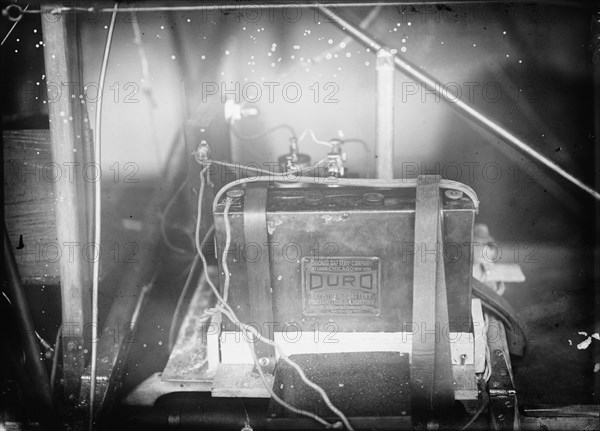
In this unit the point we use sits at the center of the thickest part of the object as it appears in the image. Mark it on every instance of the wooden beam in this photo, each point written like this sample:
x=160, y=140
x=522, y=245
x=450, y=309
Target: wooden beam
x=67, y=112
x=28, y=205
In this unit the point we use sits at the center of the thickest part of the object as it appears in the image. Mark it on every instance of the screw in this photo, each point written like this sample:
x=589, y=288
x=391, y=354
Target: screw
x=501, y=417
x=236, y=193
x=503, y=372
x=263, y=362
x=373, y=198
x=71, y=346
x=508, y=404
x=499, y=353
x=495, y=384
x=453, y=194
x=203, y=152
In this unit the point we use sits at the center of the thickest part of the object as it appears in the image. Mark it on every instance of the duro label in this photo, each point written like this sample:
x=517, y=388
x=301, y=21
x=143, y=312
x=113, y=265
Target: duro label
x=340, y=286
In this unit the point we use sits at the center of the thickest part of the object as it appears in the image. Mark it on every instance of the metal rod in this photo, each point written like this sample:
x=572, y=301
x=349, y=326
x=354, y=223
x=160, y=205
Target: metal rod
x=216, y=5
x=384, y=139
x=596, y=72
x=34, y=367
x=432, y=84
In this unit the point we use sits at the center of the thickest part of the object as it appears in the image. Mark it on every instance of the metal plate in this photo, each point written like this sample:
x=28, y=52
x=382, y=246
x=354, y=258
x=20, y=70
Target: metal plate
x=340, y=286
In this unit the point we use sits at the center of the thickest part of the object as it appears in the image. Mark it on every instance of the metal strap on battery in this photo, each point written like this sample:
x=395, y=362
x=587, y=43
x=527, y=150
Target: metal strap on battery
x=430, y=371
x=258, y=272
x=443, y=384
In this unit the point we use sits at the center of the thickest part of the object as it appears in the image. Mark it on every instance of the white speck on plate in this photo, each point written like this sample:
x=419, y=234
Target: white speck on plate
x=585, y=343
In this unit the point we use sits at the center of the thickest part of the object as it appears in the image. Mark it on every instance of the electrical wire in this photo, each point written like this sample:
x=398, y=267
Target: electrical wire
x=231, y=315
x=55, y=358
x=272, y=393
x=487, y=372
x=226, y=283
x=97, y=217
x=165, y=214
x=314, y=138
x=228, y=311
x=262, y=134
x=184, y=291
x=43, y=342
x=483, y=379
x=228, y=203
x=480, y=410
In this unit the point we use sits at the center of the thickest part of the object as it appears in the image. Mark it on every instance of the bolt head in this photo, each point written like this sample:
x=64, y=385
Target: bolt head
x=373, y=198
x=236, y=193
x=453, y=194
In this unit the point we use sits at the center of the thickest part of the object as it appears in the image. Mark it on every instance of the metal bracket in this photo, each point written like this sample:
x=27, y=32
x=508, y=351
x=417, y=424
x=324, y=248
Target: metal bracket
x=503, y=397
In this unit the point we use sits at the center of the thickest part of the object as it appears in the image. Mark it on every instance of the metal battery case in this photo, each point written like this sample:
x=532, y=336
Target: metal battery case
x=344, y=256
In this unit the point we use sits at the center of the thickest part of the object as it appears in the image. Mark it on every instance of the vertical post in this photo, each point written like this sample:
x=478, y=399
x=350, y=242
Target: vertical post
x=384, y=140
x=67, y=135
x=596, y=78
